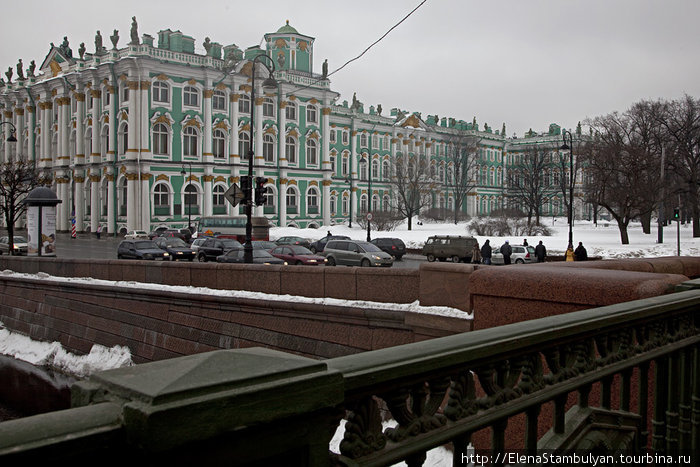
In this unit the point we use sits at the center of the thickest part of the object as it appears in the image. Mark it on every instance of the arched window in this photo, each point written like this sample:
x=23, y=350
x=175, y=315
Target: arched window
x=122, y=196
x=218, y=101
x=190, y=141
x=160, y=139
x=363, y=167
x=332, y=161
x=346, y=204
x=160, y=92
x=88, y=143
x=290, y=147
x=268, y=107
x=311, y=114
x=243, y=144
x=385, y=203
x=312, y=201
x=292, y=200
x=219, y=200
x=218, y=146
x=311, y=152
x=161, y=199
x=268, y=148
x=191, y=201
x=385, y=170
x=104, y=145
x=375, y=202
x=123, y=142
x=375, y=169
x=290, y=111
x=345, y=169
x=190, y=96
x=363, y=203
x=244, y=104
x=269, y=197
x=363, y=140
x=333, y=205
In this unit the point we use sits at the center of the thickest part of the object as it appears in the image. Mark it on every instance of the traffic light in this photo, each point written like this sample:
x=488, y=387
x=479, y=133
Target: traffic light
x=245, y=186
x=260, y=190
x=676, y=214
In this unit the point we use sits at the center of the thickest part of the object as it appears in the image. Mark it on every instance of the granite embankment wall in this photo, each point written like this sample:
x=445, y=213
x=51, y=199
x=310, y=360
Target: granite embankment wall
x=159, y=324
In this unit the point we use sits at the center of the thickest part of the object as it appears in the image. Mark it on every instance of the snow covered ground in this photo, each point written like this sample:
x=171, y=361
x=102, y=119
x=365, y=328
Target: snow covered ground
x=601, y=240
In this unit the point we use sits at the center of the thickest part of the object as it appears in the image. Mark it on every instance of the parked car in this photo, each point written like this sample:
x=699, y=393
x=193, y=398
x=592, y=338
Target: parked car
x=176, y=248
x=183, y=234
x=320, y=244
x=134, y=234
x=456, y=247
x=19, y=245
x=156, y=232
x=293, y=240
x=521, y=254
x=197, y=242
x=141, y=249
x=263, y=245
x=260, y=256
x=355, y=253
x=213, y=247
x=296, y=254
x=394, y=246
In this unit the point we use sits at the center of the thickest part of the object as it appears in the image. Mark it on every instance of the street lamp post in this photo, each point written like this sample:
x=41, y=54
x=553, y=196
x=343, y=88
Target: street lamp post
x=369, y=194
x=183, y=172
x=349, y=182
x=13, y=130
x=270, y=85
x=570, y=147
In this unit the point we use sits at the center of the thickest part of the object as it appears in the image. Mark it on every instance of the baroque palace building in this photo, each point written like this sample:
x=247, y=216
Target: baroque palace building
x=144, y=135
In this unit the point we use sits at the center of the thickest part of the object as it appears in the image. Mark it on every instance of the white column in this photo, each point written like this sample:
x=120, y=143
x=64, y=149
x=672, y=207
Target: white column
x=282, y=200
x=95, y=200
x=353, y=170
x=145, y=203
x=96, y=155
x=80, y=132
x=325, y=151
x=258, y=154
x=131, y=200
x=134, y=121
x=143, y=137
x=234, y=157
x=31, y=123
x=207, y=156
x=111, y=224
x=19, y=151
x=79, y=203
x=7, y=114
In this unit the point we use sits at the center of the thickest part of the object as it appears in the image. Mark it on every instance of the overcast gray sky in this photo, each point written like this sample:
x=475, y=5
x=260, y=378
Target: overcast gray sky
x=525, y=63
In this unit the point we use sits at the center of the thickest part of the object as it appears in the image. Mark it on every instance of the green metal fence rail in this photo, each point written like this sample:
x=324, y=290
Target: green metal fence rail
x=591, y=369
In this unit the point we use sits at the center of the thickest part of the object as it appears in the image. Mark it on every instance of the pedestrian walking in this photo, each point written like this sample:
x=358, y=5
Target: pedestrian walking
x=486, y=253
x=570, y=253
x=580, y=253
x=540, y=252
x=506, y=251
x=476, y=254
x=99, y=231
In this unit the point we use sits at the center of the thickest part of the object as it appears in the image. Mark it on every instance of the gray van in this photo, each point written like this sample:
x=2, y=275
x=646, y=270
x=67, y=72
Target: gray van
x=355, y=253
x=457, y=248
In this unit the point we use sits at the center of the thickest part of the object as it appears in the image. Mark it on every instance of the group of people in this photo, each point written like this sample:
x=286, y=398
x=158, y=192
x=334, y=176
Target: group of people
x=483, y=254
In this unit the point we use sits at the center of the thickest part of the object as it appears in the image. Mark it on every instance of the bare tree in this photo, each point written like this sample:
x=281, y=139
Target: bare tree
x=412, y=186
x=17, y=179
x=531, y=182
x=622, y=167
x=461, y=161
x=681, y=123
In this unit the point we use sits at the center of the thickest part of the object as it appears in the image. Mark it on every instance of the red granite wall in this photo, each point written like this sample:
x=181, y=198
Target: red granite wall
x=157, y=324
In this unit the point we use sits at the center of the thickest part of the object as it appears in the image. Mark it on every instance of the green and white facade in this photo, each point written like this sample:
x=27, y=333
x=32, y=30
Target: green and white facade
x=134, y=136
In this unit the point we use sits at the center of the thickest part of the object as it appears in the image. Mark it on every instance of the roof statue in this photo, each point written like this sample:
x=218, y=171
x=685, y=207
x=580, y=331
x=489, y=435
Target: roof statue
x=99, y=50
x=325, y=69
x=355, y=102
x=134, y=32
x=32, y=67
x=578, y=129
x=379, y=109
x=474, y=122
x=280, y=60
x=503, y=130
x=8, y=73
x=20, y=70
x=81, y=50
x=207, y=44
x=65, y=49
x=114, y=38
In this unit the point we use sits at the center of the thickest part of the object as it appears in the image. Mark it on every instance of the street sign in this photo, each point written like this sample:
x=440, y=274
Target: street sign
x=234, y=195
x=369, y=216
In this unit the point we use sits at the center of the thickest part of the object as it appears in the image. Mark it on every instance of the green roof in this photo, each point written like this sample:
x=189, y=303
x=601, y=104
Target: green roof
x=287, y=29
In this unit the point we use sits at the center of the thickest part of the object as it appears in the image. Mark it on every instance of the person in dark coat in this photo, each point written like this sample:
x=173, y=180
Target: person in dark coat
x=540, y=252
x=486, y=253
x=580, y=253
x=525, y=242
x=506, y=251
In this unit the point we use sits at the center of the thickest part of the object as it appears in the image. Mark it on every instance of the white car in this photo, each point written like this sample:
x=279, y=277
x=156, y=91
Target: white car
x=19, y=245
x=134, y=234
x=521, y=255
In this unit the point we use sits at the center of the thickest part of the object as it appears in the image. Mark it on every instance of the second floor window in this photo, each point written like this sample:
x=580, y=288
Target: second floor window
x=218, y=100
x=160, y=139
x=311, y=114
x=291, y=111
x=161, y=92
x=244, y=104
x=268, y=107
x=190, y=96
x=190, y=142
x=219, y=144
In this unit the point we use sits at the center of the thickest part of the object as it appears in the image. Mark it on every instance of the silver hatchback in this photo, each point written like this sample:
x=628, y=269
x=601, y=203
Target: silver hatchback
x=521, y=255
x=355, y=253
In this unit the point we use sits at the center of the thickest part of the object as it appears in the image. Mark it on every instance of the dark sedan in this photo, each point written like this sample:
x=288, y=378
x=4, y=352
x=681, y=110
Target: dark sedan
x=295, y=254
x=141, y=249
x=394, y=246
x=259, y=257
x=320, y=244
x=176, y=248
x=214, y=247
x=263, y=245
